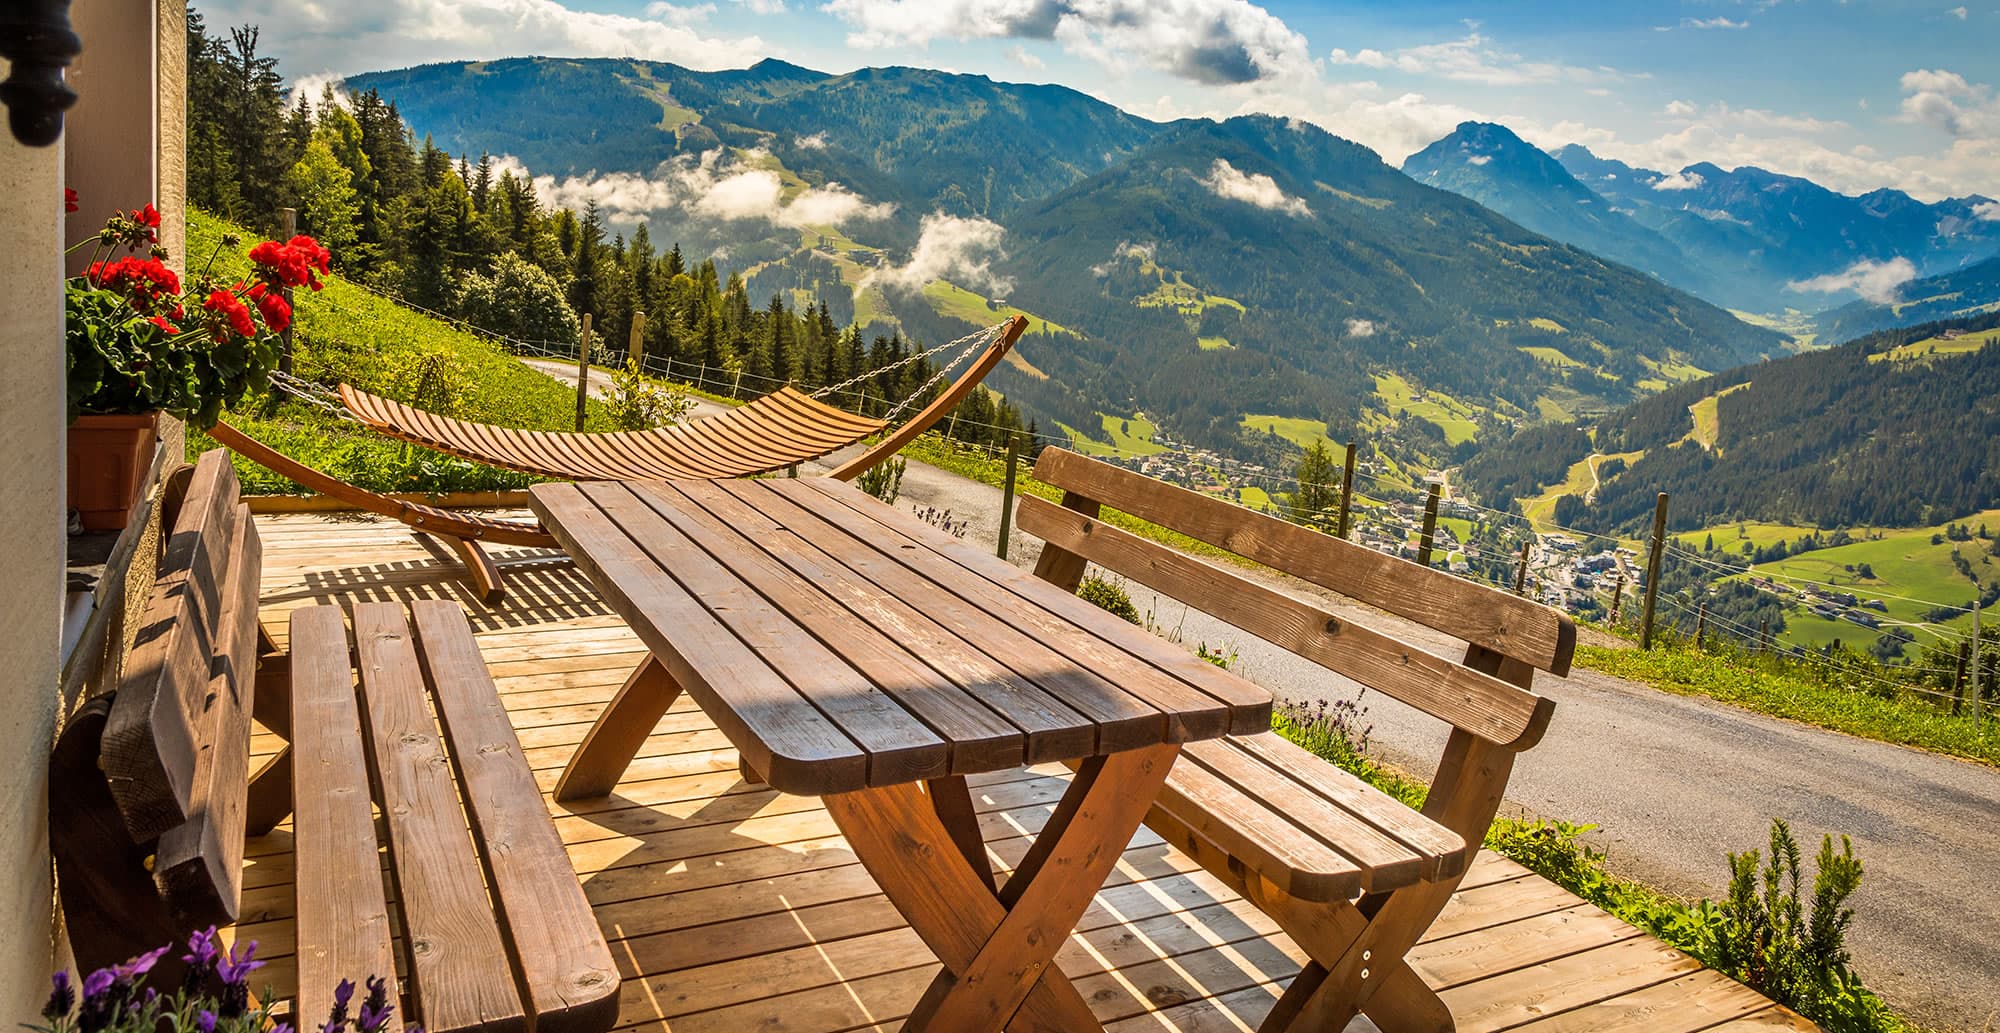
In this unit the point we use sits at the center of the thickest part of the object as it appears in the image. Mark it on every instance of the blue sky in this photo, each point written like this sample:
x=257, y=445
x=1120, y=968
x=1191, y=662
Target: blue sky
x=1856, y=95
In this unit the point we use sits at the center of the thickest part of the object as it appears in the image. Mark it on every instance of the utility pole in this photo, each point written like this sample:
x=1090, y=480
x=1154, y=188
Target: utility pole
x=1653, y=570
x=582, y=370
x=1429, y=537
x=1346, y=492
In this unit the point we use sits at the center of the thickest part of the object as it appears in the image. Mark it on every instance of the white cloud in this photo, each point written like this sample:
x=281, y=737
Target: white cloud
x=1475, y=58
x=1958, y=12
x=1478, y=159
x=813, y=142
x=952, y=247
x=1226, y=181
x=708, y=187
x=1679, y=109
x=764, y=6
x=1207, y=41
x=1875, y=281
x=1682, y=180
x=1947, y=101
x=313, y=88
x=374, y=34
x=1717, y=22
x=1026, y=60
x=1360, y=328
x=1988, y=211
x=1125, y=249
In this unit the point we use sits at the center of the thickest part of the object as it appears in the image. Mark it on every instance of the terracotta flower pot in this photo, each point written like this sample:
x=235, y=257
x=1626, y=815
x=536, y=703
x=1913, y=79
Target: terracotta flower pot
x=108, y=460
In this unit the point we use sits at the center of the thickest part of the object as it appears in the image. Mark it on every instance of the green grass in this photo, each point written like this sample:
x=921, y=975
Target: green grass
x=1731, y=538
x=1256, y=498
x=348, y=334
x=1210, y=344
x=1707, y=415
x=1117, y=436
x=1552, y=356
x=1452, y=417
x=1904, y=563
x=1542, y=323
x=1297, y=430
x=1933, y=346
x=1754, y=684
x=954, y=302
x=1577, y=481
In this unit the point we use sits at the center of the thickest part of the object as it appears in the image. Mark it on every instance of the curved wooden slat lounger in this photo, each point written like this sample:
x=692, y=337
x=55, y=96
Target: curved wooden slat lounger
x=781, y=429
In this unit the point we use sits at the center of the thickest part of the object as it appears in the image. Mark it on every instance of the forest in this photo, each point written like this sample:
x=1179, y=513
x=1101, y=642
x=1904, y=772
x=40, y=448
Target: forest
x=464, y=238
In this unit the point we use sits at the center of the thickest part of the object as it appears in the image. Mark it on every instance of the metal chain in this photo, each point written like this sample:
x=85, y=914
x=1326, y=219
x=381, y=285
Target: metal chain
x=976, y=337
x=974, y=343
x=313, y=394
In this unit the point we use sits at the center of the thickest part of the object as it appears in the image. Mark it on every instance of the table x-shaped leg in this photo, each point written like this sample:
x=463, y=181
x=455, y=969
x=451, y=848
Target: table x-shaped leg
x=999, y=949
x=619, y=733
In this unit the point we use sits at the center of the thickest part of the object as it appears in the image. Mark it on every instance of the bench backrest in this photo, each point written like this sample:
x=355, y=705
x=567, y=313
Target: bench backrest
x=173, y=738
x=1487, y=696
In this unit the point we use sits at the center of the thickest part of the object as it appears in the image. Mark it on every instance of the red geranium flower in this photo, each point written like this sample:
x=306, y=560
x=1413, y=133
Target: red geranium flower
x=230, y=310
x=69, y=200
x=148, y=216
x=293, y=263
x=161, y=322
x=277, y=314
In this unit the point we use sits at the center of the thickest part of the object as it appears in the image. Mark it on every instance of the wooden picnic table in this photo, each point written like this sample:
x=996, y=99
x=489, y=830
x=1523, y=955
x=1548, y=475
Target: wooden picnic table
x=850, y=651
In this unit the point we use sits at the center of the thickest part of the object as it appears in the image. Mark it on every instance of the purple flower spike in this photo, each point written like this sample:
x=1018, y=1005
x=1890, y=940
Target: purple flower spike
x=342, y=993
x=282, y=1027
x=202, y=953
x=61, y=999
x=96, y=983
x=236, y=968
x=205, y=1022
x=376, y=1010
x=135, y=969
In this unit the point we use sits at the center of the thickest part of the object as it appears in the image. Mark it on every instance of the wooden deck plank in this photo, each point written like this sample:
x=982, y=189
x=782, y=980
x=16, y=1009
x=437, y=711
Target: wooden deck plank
x=732, y=906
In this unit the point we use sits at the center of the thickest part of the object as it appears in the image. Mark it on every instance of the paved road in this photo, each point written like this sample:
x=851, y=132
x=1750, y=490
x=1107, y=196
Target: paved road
x=1675, y=783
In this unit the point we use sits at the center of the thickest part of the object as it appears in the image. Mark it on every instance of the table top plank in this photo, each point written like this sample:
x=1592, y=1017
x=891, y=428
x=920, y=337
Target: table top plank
x=1146, y=665
x=1093, y=676
x=991, y=658
x=899, y=748
x=794, y=746
x=977, y=739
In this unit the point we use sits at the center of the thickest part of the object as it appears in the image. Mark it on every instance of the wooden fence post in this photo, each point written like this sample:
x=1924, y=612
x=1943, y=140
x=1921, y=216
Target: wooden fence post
x=288, y=227
x=1521, y=572
x=1958, y=679
x=1617, y=598
x=1700, y=624
x=1978, y=695
x=1007, y=493
x=582, y=369
x=1653, y=570
x=1429, y=536
x=635, y=346
x=1764, y=636
x=1346, y=493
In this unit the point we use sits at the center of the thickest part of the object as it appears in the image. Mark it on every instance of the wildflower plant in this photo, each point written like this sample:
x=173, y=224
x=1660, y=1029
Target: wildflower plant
x=213, y=997
x=140, y=339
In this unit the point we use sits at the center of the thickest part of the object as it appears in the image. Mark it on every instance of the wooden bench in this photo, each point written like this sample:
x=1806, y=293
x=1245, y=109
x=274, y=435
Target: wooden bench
x=1327, y=856
x=151, y=798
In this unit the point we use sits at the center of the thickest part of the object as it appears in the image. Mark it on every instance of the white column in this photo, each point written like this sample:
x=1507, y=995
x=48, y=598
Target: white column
x=32, y=542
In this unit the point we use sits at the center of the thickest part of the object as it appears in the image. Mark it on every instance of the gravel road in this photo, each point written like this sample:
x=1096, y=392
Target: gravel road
x=1675, y=783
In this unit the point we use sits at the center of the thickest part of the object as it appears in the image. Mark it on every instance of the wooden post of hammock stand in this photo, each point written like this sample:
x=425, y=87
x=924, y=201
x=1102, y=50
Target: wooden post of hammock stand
x=582, y=370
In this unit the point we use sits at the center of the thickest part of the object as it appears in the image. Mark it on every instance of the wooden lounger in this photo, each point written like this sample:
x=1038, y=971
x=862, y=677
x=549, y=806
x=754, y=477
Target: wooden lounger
x=1310, y=844
x=779, y=430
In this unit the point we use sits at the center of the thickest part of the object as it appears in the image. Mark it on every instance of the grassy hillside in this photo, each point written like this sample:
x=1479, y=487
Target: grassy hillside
x=345, y=333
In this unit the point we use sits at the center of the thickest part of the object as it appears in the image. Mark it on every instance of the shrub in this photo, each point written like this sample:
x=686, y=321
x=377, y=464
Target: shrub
x=885, y=480
x=1109, y=596
x=520, y=300
x=638, y=402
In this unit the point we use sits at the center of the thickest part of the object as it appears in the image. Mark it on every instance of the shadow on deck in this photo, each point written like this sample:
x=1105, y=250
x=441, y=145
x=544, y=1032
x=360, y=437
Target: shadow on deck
x=732, y=907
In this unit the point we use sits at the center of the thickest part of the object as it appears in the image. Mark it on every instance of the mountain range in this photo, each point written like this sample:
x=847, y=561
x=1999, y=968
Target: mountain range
x=1744, y=238
x=1203, y=272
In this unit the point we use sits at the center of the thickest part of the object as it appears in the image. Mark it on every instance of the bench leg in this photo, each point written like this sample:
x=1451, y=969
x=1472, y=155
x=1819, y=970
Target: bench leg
x=269, y=800
x=619, y=732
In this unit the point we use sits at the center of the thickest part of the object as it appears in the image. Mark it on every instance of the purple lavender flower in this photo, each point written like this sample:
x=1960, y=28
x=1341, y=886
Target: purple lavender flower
x=281, y=1027
x=134, y=970
x=205, y=1021
x=375, y=1011
x=201, y=955
x=236, y=968
x=96, y=983
x=61, y=999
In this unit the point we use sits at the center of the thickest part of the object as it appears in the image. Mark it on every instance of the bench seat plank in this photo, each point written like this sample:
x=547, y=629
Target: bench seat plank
x=1344, y=790
x=459, y=966
x=566, y=968
x=343, y=913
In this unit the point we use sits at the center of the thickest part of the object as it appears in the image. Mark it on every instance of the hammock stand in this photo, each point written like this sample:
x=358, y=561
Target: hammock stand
x=779, y=430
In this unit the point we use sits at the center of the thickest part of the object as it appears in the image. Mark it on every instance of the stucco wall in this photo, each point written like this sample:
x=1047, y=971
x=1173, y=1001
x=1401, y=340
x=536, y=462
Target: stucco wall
x=32, y=544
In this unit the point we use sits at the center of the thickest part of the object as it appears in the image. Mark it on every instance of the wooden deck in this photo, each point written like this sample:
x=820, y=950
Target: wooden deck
x=732, y=907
